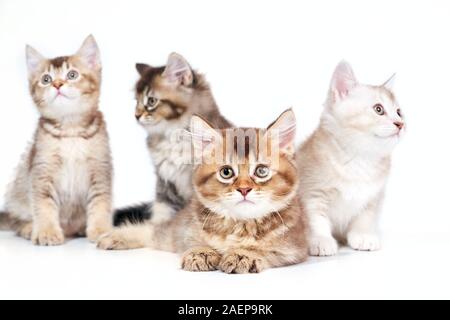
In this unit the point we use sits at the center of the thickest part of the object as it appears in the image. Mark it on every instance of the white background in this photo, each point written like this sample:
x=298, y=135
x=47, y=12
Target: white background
x=261, y=57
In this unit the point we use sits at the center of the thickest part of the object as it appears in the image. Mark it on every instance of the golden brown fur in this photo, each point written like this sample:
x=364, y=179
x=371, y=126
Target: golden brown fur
x=63, y=183
x=221, y=229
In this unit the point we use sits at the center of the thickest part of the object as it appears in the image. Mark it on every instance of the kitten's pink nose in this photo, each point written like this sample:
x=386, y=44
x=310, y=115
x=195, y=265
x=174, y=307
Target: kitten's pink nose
x=58, y=84
x=244, y=191
x=399, y=125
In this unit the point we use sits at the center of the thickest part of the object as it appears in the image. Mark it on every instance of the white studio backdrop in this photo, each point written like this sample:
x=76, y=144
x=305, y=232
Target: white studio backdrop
x=260, y=57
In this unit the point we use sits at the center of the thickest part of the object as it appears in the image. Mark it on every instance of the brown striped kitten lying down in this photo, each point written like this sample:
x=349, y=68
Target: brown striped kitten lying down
x=167, y=97
x=245, y=214
x=63, y=184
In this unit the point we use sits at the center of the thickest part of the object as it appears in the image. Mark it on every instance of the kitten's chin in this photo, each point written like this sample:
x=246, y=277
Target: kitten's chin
x=245, y=210
x=153, y=127
x=62, y=108
x=63, y=98
x=147, y=124
x=388, y=142
x=162, y=127
x=394, y=135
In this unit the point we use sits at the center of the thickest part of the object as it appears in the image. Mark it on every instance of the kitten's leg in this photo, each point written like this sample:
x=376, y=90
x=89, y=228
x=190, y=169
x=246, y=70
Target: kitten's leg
x=99, y=210
x=243, y=261
x=128, y=237
x=47, y=230
x=25, y=230
x=321, y=241
x=167, y=199
x=362, y=233
x=200, y=259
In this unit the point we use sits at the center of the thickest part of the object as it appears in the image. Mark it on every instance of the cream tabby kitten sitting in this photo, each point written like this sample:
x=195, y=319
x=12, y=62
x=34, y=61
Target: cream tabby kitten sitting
x=345, y=164
x=63, y=184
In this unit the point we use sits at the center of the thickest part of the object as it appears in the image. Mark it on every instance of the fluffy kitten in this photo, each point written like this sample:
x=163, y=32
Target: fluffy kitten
x=345, y=164
x=245, y=215
x=167, y=97
x=63, y=183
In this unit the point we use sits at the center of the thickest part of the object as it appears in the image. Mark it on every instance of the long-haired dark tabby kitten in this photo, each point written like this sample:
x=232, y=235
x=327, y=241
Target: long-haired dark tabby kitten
x=167, y=97
x=245, y=214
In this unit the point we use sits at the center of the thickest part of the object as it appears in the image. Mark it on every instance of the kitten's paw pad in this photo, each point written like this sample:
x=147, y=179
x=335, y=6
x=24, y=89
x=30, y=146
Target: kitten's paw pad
x=323, y=247
x=241, y=264
x=364, y=241
x=112, y=241
x=49, y=236
x=25, y=231
x=94, y=234
x=197, y=260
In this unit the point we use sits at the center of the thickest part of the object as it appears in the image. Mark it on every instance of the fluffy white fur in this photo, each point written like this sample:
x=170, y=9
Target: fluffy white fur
x=345, y=164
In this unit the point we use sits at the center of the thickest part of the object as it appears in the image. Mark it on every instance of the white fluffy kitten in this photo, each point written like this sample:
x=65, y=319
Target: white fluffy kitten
x=345, y=164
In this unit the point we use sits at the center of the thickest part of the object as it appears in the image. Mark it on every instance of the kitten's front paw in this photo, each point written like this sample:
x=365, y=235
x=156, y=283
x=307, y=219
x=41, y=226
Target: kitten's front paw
x=113, y=240
x=323, y=246
x=48, y=236
x=94, y=233
x=241, y=263
x=364, y=241
x=200, y=259
x=25, y=231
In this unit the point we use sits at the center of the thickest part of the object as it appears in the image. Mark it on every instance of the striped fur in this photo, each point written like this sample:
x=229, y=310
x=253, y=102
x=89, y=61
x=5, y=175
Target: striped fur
x=180, y=92
x=63, y=184
x=224, y=229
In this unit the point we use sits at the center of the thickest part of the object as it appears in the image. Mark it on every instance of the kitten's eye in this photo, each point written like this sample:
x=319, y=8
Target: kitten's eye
x=262, y=172
x=226, y=173
x=152, y=102
x=46, y=79
x=379, y=109
x=400, y=113
x=72, y=75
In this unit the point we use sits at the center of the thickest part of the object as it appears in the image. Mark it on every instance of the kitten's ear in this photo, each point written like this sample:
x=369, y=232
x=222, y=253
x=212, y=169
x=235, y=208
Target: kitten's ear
x=90, y=53
x=34, y=59
x=389, y=84
x=203, y=134
x=142, y=68
x=178, y=70
x=283, y=131
x=343, y=81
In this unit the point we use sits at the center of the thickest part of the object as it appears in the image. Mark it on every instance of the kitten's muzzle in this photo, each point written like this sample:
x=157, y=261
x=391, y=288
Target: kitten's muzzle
x=399, y=125
x=244, y=191
x=138, y=115
x=58, y=84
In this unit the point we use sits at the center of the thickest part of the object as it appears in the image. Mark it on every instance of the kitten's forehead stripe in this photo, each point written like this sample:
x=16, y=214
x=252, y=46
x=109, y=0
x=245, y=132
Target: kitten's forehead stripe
x=250, y=149
x=146, y=81
x=59, y=62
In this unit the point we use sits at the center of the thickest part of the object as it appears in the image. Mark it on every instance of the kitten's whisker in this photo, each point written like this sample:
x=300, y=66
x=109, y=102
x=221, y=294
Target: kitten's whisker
x=207, y=217
x=279, y=215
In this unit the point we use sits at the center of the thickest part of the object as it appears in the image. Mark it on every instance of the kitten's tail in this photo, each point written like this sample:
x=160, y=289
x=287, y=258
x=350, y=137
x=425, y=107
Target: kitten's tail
x=142, y=235
x=5, y=221
x=133, y=215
